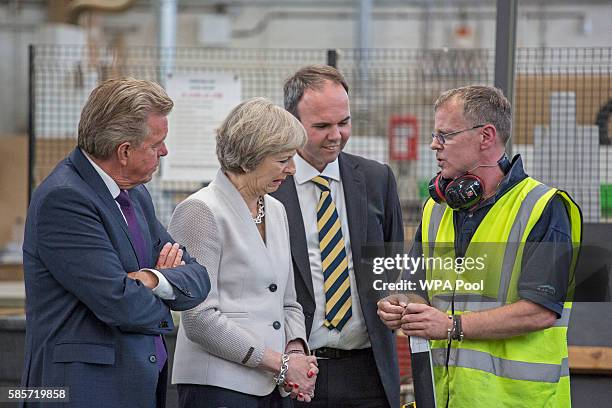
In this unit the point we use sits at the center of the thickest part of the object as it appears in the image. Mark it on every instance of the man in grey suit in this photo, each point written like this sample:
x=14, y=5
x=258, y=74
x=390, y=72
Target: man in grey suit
x=337, y=203
x=101, y=272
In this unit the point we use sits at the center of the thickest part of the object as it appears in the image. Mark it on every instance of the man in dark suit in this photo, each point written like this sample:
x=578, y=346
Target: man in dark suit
x=336, y=204
x=101, y=272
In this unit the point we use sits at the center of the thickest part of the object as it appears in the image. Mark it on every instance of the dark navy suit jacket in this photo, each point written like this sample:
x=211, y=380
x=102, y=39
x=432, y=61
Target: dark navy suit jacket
x=374, y=218
x=90, y=327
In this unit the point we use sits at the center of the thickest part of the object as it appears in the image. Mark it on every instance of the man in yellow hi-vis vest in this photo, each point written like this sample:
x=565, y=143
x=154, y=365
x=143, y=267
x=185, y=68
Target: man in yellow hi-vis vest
x=492, y=266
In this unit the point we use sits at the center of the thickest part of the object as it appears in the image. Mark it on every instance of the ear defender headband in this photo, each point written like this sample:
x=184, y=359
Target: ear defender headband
x=463, y=192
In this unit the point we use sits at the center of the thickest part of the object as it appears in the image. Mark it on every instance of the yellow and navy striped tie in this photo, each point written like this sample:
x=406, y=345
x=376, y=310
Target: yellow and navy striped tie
x=334, y=262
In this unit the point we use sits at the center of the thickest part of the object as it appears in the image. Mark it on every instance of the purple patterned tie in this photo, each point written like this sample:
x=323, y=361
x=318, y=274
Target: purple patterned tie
x=141, y=253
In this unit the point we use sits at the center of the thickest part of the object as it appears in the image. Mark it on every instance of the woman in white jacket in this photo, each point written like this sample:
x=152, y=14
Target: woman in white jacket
x=248, y=336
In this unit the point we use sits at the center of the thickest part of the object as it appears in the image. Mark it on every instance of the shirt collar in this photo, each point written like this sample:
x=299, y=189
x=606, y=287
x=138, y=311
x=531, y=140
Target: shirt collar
x=304, y=171
x=512, y=178
x=112, y=186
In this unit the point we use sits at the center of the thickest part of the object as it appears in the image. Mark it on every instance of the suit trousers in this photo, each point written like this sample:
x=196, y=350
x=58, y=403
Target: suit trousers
x=162, y=387
x=208, y=396
x=348, y=382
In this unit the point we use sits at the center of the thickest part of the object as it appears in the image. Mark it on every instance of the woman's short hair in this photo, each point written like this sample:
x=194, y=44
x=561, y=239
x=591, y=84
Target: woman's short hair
x=253, y=130
x=117, y=111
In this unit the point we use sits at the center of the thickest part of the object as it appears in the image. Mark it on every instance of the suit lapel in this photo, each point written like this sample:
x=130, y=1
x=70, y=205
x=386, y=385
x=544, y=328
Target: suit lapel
x=355, y=198
x=287, y=194
x=234, y=201
x=93, y=179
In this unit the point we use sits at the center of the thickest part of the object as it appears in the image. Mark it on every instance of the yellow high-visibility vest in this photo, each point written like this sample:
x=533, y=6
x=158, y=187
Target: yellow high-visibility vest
x=530, y=370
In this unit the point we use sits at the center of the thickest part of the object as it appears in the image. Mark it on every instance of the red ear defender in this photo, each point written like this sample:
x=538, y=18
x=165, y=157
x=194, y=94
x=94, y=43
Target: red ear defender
x=461, y=193
x=464, y=192
x=437, y=186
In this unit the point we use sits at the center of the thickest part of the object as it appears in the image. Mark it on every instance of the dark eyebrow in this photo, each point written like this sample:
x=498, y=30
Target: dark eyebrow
x=327, y=123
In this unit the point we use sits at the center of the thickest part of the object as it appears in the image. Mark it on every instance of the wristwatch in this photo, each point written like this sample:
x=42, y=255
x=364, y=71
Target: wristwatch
x=457, y=331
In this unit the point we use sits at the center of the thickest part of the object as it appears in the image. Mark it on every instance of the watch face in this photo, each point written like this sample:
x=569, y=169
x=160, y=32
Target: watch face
x=455, y=333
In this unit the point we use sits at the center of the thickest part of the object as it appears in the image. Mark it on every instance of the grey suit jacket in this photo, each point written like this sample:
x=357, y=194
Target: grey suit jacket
x=374, y=218
x=252, y=303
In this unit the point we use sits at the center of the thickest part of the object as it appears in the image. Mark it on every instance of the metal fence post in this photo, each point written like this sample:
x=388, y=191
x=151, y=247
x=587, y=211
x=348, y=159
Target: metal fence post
x=31, y=124
x=505, y=49
x=332, y=58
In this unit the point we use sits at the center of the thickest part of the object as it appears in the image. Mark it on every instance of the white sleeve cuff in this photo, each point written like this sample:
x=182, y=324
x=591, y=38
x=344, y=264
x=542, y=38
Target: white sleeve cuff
x=163, y=290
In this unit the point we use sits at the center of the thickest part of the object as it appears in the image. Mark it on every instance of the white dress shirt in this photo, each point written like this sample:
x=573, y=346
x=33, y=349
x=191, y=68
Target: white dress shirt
x=163, y=290
x=354, y=334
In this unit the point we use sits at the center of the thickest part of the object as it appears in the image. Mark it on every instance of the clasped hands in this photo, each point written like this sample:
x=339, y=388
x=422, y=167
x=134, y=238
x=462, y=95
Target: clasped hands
x=170, y=256
x=301, y=376
x=414, y=319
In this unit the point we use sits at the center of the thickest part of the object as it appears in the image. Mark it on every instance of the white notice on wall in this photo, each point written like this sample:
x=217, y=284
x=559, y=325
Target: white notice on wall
x=201, y=102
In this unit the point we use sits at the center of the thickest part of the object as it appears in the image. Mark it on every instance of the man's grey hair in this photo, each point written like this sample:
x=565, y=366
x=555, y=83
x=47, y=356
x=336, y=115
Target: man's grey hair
x=309, y=77
x=117, y=111
x=482, y=105
x=254, y=130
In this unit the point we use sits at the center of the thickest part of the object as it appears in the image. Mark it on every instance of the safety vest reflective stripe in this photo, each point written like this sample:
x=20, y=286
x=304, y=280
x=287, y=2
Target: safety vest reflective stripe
x=516, y=234
x=437, y=212
x=469, y=306
x=443, y=302
x=563, y=321
x=515, y=370
x=477, y=306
